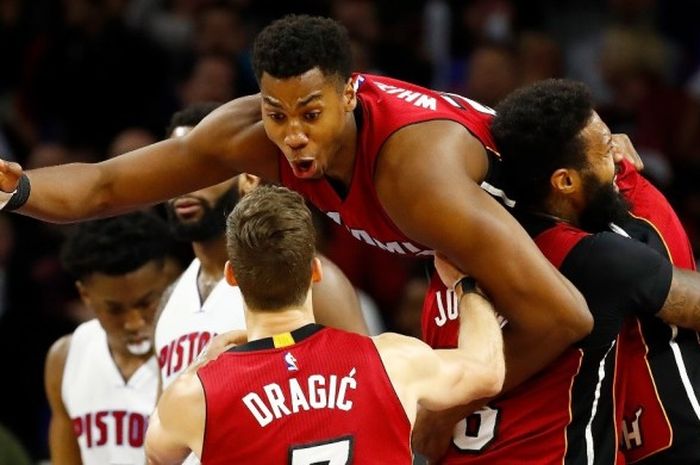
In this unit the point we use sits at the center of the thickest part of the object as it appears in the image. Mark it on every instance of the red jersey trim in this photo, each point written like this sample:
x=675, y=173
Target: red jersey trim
x=557, y=249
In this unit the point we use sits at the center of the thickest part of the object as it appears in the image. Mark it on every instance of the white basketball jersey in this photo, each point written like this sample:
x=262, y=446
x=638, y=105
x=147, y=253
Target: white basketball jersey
x=109, y=415
x=186, y=324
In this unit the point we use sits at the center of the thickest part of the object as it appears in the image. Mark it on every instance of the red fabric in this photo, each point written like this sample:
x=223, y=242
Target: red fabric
x=637, y=386
x=387, y=105
x=376, y=422
x=532, y=420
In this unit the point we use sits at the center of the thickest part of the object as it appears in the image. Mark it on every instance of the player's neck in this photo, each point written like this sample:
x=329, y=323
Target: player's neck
x=343, y=164
x=560, y=211
x=212, y=256
x=261, y=324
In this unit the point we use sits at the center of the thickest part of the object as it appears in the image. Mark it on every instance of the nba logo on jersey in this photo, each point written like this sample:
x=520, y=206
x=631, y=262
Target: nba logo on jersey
x=291, y=362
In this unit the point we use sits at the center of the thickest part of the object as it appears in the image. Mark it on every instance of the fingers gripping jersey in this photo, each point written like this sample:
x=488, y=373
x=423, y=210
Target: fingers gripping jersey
x=384, y=106
x=321, y=396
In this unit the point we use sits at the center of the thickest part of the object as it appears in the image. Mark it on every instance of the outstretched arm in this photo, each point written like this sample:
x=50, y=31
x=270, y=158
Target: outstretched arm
x=63, y=444
x=229, y=141
x=426, y=182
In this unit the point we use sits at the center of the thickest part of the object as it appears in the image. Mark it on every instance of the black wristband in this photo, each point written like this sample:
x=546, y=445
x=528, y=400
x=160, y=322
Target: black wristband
x=20, y=197
x=468, y=284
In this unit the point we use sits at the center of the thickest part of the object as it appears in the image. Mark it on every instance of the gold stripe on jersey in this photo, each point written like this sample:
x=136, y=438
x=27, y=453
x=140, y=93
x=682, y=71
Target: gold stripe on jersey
x=283, y=340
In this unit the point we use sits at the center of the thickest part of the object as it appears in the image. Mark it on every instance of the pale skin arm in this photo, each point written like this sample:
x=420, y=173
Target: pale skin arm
x=169, y=440
x=229, y=141
x=335, y=301
x=63, y=445
x=425, y=181
x=439, y=379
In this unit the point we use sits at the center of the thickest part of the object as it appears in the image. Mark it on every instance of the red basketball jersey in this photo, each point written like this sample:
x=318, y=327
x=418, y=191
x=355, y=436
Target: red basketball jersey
x=565, y=414
x=384, y=106
x=316, y=395
x=660, y=382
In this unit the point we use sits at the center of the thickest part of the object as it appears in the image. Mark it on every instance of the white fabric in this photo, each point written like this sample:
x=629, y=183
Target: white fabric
x=109, y=414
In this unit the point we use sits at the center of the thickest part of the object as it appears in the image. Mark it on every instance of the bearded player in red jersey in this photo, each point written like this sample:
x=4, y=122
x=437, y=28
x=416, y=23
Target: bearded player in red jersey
x=302, y=394
x=397, y=164
x=558, y=160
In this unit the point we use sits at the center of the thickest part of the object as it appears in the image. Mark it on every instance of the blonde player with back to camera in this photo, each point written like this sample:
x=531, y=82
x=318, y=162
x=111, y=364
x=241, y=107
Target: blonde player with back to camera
x=301, y=393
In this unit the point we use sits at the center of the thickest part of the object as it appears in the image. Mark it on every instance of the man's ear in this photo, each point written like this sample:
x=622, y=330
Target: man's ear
x=246, y=183
x=316, y=270
x=565, y=181
x=349, y=95
x=229, y=274
x=84, y=294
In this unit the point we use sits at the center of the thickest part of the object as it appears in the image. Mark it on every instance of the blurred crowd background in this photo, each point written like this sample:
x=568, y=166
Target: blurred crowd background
x=82, y=80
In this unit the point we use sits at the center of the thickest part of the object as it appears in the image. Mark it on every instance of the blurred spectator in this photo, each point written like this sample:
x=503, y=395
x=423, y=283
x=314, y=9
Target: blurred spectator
x=492, y=73
x=128, y=140
x=539, y=57
x=212, y=79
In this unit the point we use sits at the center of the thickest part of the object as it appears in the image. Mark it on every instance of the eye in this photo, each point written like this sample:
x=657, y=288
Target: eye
x=276, y=116
x=312, y=115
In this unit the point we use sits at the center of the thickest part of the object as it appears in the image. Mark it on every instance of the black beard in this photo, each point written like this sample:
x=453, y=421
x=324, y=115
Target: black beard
x=212, y=223
x=604, y=205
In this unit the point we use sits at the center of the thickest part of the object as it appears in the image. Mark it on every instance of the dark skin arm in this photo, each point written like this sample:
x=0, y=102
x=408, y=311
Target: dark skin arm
x=335, y=301
x=425, y=180
x=229, y=141
x=682, y=306
x=63, y=444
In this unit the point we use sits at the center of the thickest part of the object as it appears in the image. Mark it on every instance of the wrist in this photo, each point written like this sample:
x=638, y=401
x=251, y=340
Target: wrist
x=13, y=200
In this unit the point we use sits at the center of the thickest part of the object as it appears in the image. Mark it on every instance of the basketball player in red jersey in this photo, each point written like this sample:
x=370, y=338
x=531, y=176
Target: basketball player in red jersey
x=397, y=164
x=558, y=158
x=300, y=393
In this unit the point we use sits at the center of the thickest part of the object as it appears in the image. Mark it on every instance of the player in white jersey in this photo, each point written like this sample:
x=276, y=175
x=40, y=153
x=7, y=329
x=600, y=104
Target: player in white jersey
x=101, y=381
x=201, y=304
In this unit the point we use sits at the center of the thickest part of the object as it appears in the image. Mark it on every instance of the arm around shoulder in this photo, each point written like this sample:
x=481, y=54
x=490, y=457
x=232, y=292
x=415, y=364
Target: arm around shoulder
x=431, y=194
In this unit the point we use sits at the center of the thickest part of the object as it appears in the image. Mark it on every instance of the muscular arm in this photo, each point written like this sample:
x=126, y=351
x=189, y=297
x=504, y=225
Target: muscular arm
x=63, y=445
x=169, y=440
x=229, y=141
x=335, y=301
x=439, y=379
x=425, y=181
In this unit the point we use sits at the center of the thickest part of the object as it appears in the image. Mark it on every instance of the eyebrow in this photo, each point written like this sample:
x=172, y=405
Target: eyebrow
x=305, y=101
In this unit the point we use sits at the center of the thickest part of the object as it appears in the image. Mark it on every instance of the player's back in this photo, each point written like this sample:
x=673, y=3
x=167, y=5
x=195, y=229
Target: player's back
x=310, y=396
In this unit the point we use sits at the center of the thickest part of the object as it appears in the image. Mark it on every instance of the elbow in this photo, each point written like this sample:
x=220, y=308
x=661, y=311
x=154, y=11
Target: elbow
x=579, y=320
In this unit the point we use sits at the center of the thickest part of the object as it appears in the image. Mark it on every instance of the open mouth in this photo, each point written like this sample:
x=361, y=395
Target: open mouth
x=304, y=168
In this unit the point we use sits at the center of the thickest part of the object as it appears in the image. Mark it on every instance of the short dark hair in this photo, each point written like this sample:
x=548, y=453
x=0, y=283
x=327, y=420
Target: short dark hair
x=270, y=239
x=295, y=44
x=537, y=130
x=191, y=116
x=116, y=246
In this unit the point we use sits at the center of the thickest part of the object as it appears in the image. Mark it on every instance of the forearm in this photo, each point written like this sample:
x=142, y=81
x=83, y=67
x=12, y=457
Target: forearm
x=480, y=332
x=682, y=306
x=65, y=193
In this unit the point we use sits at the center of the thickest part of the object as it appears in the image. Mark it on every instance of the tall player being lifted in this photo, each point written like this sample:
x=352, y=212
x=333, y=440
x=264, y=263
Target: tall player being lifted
x=399, y=165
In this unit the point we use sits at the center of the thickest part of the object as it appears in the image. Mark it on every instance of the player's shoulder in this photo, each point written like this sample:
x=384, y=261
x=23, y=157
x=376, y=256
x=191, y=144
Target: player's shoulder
x=58, y=352
x=398, y=345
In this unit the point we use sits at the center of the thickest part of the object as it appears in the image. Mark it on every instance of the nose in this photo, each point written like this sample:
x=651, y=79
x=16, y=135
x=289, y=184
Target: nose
x=296, y=138
x=134, y=321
